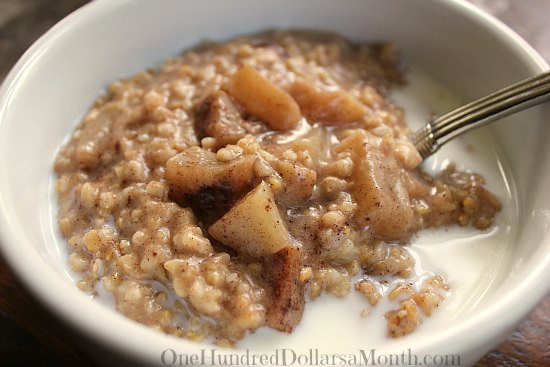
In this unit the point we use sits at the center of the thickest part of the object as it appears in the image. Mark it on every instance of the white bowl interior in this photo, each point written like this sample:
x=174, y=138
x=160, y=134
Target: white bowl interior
x=57, y=80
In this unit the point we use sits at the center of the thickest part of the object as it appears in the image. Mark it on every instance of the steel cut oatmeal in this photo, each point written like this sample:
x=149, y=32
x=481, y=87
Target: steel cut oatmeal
x=215, y=195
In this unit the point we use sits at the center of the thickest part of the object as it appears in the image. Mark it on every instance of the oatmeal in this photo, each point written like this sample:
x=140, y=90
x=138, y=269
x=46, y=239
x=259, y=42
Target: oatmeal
x=220, y=193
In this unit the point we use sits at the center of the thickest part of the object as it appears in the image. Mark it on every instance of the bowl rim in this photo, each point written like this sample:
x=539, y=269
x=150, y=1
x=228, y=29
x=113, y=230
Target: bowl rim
x=116, y=332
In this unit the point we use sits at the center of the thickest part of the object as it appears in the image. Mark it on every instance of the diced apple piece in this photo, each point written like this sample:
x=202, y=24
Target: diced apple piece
x=298, y=182
x=254, y=225
x=283, y=273
x=263, y=99
x=218, y=117
x=336, y=107
x=95, y=137
x=383, y=201
x=197, y=179
x=407, y=154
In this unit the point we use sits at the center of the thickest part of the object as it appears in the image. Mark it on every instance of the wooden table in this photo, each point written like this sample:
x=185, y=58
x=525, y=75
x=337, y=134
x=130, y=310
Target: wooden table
x=30, y=336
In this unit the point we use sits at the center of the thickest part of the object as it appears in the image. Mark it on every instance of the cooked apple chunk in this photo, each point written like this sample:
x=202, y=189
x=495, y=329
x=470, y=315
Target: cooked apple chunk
x=287, y=308
x=263, y=99
x=383, y=201
x=197, y=179
x=335, y=107
x=217, y=116
x=254, y=225
x=298, y=182
x=384, y=205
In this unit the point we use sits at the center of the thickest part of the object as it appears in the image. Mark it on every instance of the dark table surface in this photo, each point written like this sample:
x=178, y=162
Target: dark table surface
x=30, y=336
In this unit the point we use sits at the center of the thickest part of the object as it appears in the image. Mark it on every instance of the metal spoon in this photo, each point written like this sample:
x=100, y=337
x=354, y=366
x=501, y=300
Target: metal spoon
x=514, y=98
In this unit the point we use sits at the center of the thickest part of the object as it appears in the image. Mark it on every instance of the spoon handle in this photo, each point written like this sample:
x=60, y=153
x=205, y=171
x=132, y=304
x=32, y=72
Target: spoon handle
x=506, y=101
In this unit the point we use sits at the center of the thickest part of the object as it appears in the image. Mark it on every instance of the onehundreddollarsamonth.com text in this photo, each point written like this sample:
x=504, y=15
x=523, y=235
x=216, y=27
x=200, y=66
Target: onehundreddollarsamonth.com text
x=311, y=357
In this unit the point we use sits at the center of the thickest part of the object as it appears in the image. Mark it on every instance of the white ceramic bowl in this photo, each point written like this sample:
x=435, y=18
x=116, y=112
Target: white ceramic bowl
x=61, y=74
